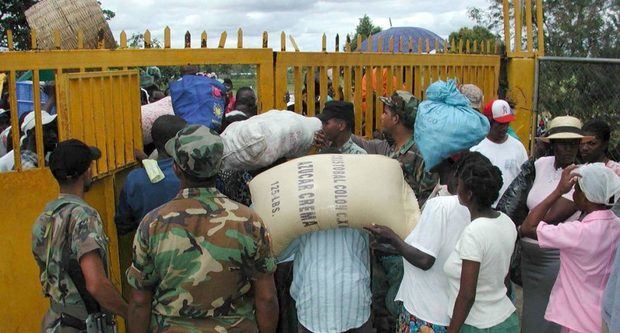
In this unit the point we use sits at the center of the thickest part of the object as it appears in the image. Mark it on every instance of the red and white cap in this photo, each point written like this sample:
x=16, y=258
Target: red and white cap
x=499, y=111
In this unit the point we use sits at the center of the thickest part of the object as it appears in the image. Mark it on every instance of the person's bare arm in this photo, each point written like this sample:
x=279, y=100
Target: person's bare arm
x=561, y=210
x=99, y=286
x=412, y=254
x=139, y=311
x=466, y=296
x=266, y=302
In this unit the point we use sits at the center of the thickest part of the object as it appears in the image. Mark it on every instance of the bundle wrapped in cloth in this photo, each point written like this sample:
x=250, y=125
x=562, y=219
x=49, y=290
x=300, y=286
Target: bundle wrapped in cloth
x=150, y=113
x=263, y=139
x=319, y=192
x=446, y=124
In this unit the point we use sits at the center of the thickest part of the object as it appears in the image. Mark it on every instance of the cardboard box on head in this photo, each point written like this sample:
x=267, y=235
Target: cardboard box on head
x=321, y=192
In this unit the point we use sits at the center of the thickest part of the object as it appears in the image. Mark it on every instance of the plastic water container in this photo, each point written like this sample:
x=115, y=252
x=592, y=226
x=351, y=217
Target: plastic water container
x=25, y=97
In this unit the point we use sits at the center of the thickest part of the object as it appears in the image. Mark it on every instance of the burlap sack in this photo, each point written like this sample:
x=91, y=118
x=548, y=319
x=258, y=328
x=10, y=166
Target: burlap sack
x=330, y=191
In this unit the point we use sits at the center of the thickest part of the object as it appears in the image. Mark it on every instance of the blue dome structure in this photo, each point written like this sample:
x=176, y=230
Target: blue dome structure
x=405, y=32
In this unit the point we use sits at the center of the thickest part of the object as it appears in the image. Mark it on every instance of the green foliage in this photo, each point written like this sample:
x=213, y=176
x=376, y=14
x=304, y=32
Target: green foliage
x=584, y=28
x=364, y=28
x=573, y=28
x=478, y=33
x=13, y=17
x=108, y=14
x=136, y=41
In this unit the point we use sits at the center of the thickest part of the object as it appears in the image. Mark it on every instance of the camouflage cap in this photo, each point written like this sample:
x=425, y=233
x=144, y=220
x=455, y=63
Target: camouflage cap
x=197, y=151
x=473, y=94
x=402, y=102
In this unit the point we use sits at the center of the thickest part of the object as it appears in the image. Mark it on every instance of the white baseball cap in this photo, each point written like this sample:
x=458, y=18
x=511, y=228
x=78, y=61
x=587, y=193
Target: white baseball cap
x=29, y=121
x=499, y=111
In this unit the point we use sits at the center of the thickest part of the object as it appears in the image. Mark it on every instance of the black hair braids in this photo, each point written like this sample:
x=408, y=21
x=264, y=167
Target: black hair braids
x=480, y=177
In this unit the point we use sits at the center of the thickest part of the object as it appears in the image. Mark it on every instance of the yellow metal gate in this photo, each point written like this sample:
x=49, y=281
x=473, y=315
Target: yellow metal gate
x=102, y=109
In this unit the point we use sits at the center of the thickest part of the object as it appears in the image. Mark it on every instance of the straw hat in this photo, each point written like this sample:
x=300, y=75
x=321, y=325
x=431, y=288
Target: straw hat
x=563, y=128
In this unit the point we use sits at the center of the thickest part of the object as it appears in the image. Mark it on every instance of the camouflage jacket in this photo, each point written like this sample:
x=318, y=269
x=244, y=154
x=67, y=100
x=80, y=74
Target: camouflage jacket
x=68, y=218
x=198, y=255
x=350, y=147
x=411, y=162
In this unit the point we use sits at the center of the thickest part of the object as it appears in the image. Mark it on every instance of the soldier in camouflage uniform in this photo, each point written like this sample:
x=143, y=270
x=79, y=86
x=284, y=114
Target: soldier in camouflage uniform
x=202, y=262
x=70, y=247
x=397, y=121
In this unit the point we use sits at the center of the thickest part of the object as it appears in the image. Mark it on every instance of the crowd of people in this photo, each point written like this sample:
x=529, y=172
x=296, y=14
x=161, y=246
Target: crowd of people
x=492, y=218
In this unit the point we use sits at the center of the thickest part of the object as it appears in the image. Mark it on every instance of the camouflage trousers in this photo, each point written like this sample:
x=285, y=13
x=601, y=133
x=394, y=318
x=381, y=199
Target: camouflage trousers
x=386, y=275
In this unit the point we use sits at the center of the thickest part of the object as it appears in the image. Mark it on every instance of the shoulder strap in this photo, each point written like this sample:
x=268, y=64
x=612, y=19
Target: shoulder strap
x=74, y=270
x=70, y=266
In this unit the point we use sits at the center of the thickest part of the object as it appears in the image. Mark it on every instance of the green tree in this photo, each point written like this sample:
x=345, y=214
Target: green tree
x=585, y=28
x=364, y=28
x=136, y=41
x=13, y=17
x=477, y=33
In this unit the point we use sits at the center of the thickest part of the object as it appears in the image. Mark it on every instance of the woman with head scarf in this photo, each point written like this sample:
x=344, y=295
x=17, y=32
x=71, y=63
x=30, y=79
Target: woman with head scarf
x=586, y=246
x=595, y=146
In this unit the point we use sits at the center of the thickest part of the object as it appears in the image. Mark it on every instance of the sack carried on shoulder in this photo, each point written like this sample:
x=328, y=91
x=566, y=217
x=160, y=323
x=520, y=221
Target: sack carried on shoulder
x=321, y=192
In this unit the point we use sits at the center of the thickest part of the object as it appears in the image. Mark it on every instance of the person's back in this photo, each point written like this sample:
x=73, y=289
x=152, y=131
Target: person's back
x=489, y=241
x=201, y=262
x=331, y=277
x=587, y=250
x=425, y=293
x=78, y=230
x=139, y=194
x=204, y=261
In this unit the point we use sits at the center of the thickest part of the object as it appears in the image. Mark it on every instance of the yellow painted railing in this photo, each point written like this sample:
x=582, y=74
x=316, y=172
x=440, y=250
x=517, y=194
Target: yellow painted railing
x=515, y=25
x=103, y=110
x=355, y=77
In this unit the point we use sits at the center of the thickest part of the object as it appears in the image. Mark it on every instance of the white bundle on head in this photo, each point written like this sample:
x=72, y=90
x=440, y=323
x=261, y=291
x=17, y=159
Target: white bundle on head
x=599, y=184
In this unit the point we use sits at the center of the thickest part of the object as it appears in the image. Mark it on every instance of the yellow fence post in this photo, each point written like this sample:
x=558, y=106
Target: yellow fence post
x=521, y=64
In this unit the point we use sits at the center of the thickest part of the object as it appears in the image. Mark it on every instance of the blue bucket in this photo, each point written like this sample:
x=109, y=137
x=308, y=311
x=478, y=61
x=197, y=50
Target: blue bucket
x=25, y=97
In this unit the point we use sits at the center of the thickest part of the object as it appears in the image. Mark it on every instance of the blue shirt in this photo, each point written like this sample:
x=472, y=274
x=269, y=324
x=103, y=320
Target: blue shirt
x=139, y=196
x=331, y=275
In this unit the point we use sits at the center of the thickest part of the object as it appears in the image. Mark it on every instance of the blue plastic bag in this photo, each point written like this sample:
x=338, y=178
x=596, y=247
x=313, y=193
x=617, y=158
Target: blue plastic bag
x=446, y=124
x=199, y=100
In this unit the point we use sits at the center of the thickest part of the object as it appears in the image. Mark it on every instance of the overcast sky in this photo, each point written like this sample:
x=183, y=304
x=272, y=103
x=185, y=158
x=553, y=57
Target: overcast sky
x=306, y=20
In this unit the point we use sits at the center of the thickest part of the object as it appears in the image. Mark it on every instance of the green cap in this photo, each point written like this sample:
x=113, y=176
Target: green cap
x=402, y=102
x=197, y=151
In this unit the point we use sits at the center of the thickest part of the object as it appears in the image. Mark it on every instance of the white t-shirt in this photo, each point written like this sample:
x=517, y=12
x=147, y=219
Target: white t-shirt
x=547, y=179
x=425, y=293
x=7, y=162
x=489, y=242
x=507, y=156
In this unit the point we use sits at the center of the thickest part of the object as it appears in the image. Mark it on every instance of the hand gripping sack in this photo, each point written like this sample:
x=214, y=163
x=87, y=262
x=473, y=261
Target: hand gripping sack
x=198, y=100
x=319, y=192
x=263, y=139
x=446, y=124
